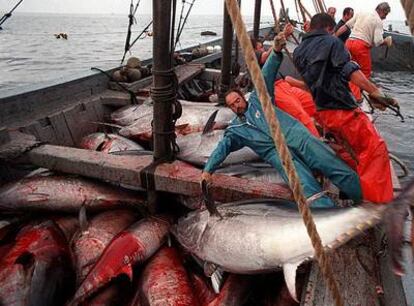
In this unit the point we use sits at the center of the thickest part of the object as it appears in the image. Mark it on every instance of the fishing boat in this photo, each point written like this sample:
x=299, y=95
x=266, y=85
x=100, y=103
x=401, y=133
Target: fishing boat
x=60, y=113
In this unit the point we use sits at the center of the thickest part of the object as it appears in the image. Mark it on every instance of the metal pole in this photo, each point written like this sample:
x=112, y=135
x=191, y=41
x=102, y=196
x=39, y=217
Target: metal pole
x=227, y=47
x=162, y=65
x=256, y=25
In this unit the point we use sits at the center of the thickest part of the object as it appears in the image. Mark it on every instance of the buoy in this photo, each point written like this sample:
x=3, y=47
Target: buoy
x=217, y=48
x=118, y=77
x=134, y=75
x=133, y=62
x=210, y=49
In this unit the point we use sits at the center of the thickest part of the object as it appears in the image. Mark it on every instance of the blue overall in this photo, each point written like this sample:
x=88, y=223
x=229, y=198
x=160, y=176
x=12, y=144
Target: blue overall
x=308, y=153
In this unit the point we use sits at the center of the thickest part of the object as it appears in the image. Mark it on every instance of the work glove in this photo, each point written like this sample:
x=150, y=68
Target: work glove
x=388, y=41
x=279, y=42
x=381, y=101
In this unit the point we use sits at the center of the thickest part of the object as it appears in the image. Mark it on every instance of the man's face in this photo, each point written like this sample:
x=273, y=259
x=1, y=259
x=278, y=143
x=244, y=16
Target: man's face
x=382, y=14
x=236, y=103
x=349, y=16
x=332, y=12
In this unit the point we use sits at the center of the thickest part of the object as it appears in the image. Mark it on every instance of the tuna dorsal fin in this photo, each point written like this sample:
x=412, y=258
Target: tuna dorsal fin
x=210, y=123
x=289, y=271
x=83, y=219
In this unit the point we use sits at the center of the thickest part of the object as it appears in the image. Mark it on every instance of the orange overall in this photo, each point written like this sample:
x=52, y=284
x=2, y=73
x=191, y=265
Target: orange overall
x=372, y=162
x=360, y=53
x=287, y=100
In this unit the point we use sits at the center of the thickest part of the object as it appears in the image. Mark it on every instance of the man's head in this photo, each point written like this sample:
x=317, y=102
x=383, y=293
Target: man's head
x=322, y=21
x=236, y=102
x=347, y=14
x=383, y=9
x=331, y=12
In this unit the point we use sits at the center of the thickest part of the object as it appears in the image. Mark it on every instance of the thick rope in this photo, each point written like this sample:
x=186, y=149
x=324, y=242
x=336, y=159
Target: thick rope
x=279, y=140
x=408, y=6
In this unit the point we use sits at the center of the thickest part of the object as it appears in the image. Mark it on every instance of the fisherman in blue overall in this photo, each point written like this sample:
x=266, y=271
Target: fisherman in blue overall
x=250, y=129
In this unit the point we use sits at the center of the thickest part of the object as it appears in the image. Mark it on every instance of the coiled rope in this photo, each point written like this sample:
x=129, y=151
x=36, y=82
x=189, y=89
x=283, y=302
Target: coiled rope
x=408, y=6
x=279, y=140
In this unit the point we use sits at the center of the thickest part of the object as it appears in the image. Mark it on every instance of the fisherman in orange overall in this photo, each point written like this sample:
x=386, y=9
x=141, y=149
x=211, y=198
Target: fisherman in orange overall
x=367, y=32
x=288, y=99
x=326, y=67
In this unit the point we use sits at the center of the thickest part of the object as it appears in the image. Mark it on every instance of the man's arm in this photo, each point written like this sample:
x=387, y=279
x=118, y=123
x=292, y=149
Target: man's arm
x=348, y=25
x=297, y=83
x=272, y=65
x=341, y=60
x=379, y=35
x=228, y=144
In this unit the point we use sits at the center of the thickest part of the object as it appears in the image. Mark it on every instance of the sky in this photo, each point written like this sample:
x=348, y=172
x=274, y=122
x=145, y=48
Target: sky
x=201, y=7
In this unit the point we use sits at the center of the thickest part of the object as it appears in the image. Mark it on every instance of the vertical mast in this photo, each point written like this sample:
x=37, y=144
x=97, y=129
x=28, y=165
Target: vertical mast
x=227, y=47
x=256, y=25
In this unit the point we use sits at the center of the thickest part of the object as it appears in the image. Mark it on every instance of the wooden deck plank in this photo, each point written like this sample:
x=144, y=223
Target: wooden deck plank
x=62, y=131
x=177, y=177
x=359, y=274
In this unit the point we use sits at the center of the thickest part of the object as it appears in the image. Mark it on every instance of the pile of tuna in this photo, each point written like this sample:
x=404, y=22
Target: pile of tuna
x=69, y=240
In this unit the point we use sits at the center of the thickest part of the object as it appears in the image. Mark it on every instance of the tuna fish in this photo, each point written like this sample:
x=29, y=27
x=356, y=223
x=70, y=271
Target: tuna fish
x=164, y=281
x=89, y=244
x=130, y=247
x=129, y=114
x=204, y=293
x=66, y=194
x=36, y=268
x=193, y=119
x=235, y=291
x=108, y=143
x=267, y=235
x=196, y=148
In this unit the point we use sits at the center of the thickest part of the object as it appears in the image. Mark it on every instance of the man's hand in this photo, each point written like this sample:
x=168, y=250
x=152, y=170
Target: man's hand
x=381, y=101
x=306, y=26
x=205, y=176
x=288, y=30
x=279, y=42
x=388, y=41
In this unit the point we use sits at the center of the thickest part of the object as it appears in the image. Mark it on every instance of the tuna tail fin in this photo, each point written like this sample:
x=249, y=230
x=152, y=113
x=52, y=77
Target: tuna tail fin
x=289, y=271
x=210, y=123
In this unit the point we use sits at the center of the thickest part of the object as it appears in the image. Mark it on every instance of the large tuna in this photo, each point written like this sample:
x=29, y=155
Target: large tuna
x=36, y=268
x=193, y=119
x=164, y=281
x=196, y=149
x=108, y=143
x=259, y=236
x=89, y=244
x=66, y=194
x=130, y=247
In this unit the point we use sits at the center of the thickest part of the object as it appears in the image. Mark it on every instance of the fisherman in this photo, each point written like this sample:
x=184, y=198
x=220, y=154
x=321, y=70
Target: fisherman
x=309, y=154
x=288, y=99
x=367, y=32
x=259, y=50
x=347, y=14
x=326, y=68
x=331, y=12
